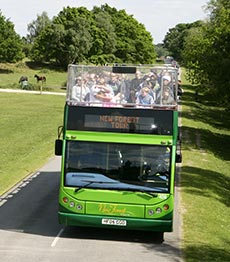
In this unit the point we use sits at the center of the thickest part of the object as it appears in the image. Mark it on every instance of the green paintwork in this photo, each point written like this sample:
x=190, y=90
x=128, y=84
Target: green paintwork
x=131, y=206
x=119, y=138
x=134, y=207
x=132, y=223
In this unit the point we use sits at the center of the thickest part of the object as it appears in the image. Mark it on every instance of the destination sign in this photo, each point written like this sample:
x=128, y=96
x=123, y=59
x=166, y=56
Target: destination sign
x=118, y=122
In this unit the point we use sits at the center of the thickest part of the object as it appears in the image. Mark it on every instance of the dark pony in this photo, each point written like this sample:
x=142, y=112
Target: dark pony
x=22, y=79
x=40, y=78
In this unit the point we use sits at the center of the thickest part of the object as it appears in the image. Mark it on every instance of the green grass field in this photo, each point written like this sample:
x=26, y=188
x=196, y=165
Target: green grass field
x=205, y=180
x=11, y=73
x=29, y=125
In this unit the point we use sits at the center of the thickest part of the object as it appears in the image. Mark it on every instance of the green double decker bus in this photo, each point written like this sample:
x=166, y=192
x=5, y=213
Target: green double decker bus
x=119, y=146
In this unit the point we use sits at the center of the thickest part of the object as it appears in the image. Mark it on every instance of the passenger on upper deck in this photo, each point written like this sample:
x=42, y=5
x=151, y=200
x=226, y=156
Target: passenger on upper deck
x=167, y=98
x=119, y=87
x=91, y=80
x=135, y=87
x=165, y=94
x=80, y=90
x=115, y=83
x=101, y=92
x=144, y=98
x=136, y=82
x=167, y=83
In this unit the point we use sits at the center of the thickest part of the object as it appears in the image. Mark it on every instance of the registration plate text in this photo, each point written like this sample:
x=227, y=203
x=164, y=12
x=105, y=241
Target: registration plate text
x=114, y=222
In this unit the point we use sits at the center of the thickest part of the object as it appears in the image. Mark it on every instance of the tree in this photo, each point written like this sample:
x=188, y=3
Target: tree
x=134, y=43
x=207, y=51
x=104, y=38
x=36, y=26
x=67, y=40
x=10, y=42
x=194, y=55
x=174, y=39
x=103, y=35
x=161, y=51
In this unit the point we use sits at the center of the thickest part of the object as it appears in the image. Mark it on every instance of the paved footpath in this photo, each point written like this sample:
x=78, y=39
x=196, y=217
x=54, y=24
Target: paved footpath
x=31, y=92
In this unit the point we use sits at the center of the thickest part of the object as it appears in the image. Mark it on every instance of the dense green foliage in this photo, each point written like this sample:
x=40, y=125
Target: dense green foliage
x=103, y=35
x=66, y=40
x=161, y=51
x=174, y=40
x=134, y=43
x=204, y=49
x=36, y=26
x=207, y=52
x=10, y=42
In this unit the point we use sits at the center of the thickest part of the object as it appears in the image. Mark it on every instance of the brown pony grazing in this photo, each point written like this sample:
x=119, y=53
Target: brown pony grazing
x=40, y=78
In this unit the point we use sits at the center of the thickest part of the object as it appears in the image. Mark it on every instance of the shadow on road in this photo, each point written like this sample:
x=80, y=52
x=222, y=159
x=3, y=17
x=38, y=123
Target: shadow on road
x=112, y=234
x=32, y=208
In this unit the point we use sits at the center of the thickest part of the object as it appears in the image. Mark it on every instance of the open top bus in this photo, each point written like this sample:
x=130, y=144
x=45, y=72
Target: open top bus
x=119, y=147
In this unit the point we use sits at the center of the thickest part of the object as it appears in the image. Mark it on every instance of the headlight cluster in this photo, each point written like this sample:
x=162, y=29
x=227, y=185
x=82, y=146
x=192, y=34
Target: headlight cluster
x=72, y=204
x=158, y=210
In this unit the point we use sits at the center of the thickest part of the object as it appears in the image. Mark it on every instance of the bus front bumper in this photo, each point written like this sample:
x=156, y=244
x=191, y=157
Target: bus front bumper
x=70, y=219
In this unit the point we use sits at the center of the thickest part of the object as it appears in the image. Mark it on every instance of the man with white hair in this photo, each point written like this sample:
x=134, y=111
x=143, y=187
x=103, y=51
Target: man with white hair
x=79, y=90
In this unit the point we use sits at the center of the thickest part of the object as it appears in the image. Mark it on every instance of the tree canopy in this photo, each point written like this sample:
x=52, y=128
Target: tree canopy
x=103, y=35
x=175, y=39
x=203, y=47
x=10, y=42
x=207, y=51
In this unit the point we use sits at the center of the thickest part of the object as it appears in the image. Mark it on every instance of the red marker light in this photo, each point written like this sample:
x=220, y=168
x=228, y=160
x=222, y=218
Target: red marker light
x=65, y=200
x=166, y=207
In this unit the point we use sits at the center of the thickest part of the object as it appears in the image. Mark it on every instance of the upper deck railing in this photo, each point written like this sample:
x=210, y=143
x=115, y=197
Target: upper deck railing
x=123, y=86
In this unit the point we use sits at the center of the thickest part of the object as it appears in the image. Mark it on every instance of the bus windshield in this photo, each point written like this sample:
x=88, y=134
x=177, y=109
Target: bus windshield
x=116, y=166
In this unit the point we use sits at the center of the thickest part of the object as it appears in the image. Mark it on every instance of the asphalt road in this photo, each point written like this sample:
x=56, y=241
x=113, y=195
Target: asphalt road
x=29, y=230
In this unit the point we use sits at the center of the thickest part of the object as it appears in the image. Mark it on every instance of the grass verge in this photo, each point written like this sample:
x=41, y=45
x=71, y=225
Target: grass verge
x=11, y=73
x=28, y=130
x=205, y=180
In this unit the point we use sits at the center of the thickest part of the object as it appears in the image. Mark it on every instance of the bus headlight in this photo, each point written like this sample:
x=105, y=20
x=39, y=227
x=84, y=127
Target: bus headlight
x=158, y=210
x=71, y=204
x=79, y=207
x=150, y=212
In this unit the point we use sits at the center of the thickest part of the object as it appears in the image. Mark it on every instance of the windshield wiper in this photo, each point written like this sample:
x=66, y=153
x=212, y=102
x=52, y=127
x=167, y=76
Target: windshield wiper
x=141, y=191
x=89, y=182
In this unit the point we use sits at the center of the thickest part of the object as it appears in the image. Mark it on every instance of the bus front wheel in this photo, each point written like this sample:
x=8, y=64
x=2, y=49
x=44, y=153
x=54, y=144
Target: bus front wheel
x=159, y=237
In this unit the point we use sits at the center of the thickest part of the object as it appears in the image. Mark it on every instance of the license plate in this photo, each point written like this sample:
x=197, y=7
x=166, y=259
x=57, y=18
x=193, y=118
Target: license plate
x=114, y=222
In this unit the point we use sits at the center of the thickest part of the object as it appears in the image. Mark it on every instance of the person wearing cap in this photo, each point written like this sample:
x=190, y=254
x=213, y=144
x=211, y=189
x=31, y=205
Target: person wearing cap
x=166, y=79
x=165, y=94
x=167, y=84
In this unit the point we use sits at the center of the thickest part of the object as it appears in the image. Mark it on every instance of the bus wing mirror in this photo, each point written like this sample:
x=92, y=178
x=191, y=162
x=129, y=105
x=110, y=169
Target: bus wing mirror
x=178, y=158
x=58, y=147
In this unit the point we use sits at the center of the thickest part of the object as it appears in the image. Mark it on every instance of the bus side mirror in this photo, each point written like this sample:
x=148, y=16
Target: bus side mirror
x=178, y=158
x=58, y=147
